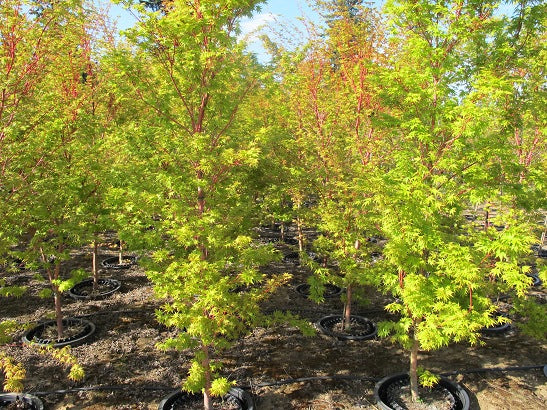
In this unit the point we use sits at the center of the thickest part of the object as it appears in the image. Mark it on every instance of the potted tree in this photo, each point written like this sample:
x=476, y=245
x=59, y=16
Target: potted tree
x=51, y=216
x=97, y=212
x=14, y=374
x=196, y=158
x=332, y=99
x=445, y=159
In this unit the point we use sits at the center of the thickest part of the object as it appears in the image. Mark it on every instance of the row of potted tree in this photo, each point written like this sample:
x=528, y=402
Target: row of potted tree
x=180, y=140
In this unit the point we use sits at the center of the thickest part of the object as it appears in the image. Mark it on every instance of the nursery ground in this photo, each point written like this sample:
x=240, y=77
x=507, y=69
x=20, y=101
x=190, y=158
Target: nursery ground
x=124, y=370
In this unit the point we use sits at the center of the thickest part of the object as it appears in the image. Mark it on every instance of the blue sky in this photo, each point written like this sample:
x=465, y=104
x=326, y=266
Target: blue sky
x=276, y=12
x=287, y=10
x=273, y=13
x=282, y=13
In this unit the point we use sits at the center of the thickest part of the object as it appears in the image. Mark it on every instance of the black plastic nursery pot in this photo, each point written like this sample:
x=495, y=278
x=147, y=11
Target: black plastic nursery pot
x=291, y=241
x=292, y=257
x=361, y=328
x=182, y=400
x=113, y=262
x=330, y=291
x=375, y=239
x=387, y=399
x=496, y=330
x=376, y=256
x=269, y=239
x=84, y=289
x=20, y=401
x=536, y=281
x=36, y=334
x=16, y=263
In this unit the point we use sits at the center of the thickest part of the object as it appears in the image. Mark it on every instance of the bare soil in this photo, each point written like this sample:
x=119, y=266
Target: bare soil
x=282, y=368
x=50, y=332
x=439, y=399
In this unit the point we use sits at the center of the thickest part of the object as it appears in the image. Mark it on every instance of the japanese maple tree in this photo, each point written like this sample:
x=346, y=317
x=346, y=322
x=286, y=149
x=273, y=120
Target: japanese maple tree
x=195, y=154
x=446, y=158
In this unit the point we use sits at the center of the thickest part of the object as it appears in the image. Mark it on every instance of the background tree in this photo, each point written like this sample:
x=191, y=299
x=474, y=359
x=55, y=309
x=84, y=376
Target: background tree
x=333, y=103
x=519, y=65
x=45, y=58
x=514, y=80
x=49, y=147
x=100, y=115
x=25, y=51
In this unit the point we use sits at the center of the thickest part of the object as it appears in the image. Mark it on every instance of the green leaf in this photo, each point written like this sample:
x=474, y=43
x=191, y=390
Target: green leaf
x=220, y=386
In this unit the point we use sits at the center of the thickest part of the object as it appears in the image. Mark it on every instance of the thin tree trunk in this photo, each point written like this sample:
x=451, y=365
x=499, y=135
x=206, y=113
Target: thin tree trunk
x=347, y=308
x=544, y=233
x=205, y=363
x=349, y=295
x=58, y=312
x=57, y=299
x=300, y=235
x=207, y=404
x=120, y=256
x=53, y=274
x=94, y=265
x=201, y=210
x=413, y=373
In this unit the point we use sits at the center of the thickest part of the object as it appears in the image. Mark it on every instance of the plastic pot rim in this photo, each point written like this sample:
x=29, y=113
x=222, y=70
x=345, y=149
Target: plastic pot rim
x=115, y=265
x=36, y=403
x=116, y=286
x=28, y=337
x=342, y=336
x=245, y=398
x=454, y=388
